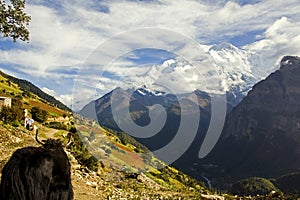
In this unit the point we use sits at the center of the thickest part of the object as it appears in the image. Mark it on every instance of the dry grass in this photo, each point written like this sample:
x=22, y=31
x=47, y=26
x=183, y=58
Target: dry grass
x=49, y=108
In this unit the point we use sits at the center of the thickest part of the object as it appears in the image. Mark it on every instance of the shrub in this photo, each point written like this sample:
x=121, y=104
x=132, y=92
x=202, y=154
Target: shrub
x=147, y=158
x=81, y=154
x=253, y=186
x=15, y=123
x=127, y=139
x=38, y=114
x=57, y=125
x=73, y=129
x=12, y=114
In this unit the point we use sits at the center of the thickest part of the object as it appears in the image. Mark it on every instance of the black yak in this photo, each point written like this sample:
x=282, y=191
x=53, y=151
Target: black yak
x=37, y=173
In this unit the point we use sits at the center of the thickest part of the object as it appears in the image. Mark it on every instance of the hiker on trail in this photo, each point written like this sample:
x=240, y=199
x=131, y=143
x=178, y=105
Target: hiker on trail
x=29, y=123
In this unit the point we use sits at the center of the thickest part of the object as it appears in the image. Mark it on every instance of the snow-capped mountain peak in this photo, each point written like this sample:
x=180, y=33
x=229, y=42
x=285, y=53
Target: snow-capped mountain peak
x=232, y=70
x=241, y=68
x=223, y=47
x=145, y=91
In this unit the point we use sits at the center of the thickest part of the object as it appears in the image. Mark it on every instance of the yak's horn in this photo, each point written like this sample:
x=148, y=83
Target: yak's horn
x=36, y=137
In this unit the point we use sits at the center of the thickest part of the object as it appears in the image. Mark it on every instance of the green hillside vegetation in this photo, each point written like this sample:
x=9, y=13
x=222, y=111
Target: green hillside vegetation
x=126, y=139
x=253, y=186
x=121, y=154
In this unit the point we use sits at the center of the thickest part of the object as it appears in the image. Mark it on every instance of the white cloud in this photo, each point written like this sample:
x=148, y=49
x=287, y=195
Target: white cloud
x=281, y=38
x=67, y=99
x=48, y=91
x=64, y=98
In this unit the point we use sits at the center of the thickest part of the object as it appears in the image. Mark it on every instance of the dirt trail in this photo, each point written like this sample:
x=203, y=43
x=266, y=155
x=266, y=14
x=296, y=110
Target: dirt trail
x=51, y=133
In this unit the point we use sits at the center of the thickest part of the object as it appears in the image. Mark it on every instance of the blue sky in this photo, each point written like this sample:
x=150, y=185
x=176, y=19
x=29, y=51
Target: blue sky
x=64, y=34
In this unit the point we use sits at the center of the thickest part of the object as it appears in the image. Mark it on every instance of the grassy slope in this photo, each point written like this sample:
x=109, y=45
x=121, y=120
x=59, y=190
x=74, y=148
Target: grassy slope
x=29, y=100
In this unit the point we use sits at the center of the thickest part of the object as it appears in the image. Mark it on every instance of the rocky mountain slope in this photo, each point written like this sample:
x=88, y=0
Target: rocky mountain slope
x=140, y=102
x=261, y=135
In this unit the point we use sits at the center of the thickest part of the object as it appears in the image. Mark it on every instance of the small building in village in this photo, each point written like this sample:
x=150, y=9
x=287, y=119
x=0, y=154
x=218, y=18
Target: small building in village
x=5, y=101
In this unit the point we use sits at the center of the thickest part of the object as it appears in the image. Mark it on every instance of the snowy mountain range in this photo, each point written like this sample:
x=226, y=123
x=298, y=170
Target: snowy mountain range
x=232, y=70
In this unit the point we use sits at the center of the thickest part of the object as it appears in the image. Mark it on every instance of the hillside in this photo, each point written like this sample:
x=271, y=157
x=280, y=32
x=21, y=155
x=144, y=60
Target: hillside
x=27, y=88
x=108, y=181
x=105, y=164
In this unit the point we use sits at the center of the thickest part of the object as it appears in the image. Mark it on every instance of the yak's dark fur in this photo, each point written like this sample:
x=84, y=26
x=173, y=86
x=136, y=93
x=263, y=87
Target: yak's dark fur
x=37, y=173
